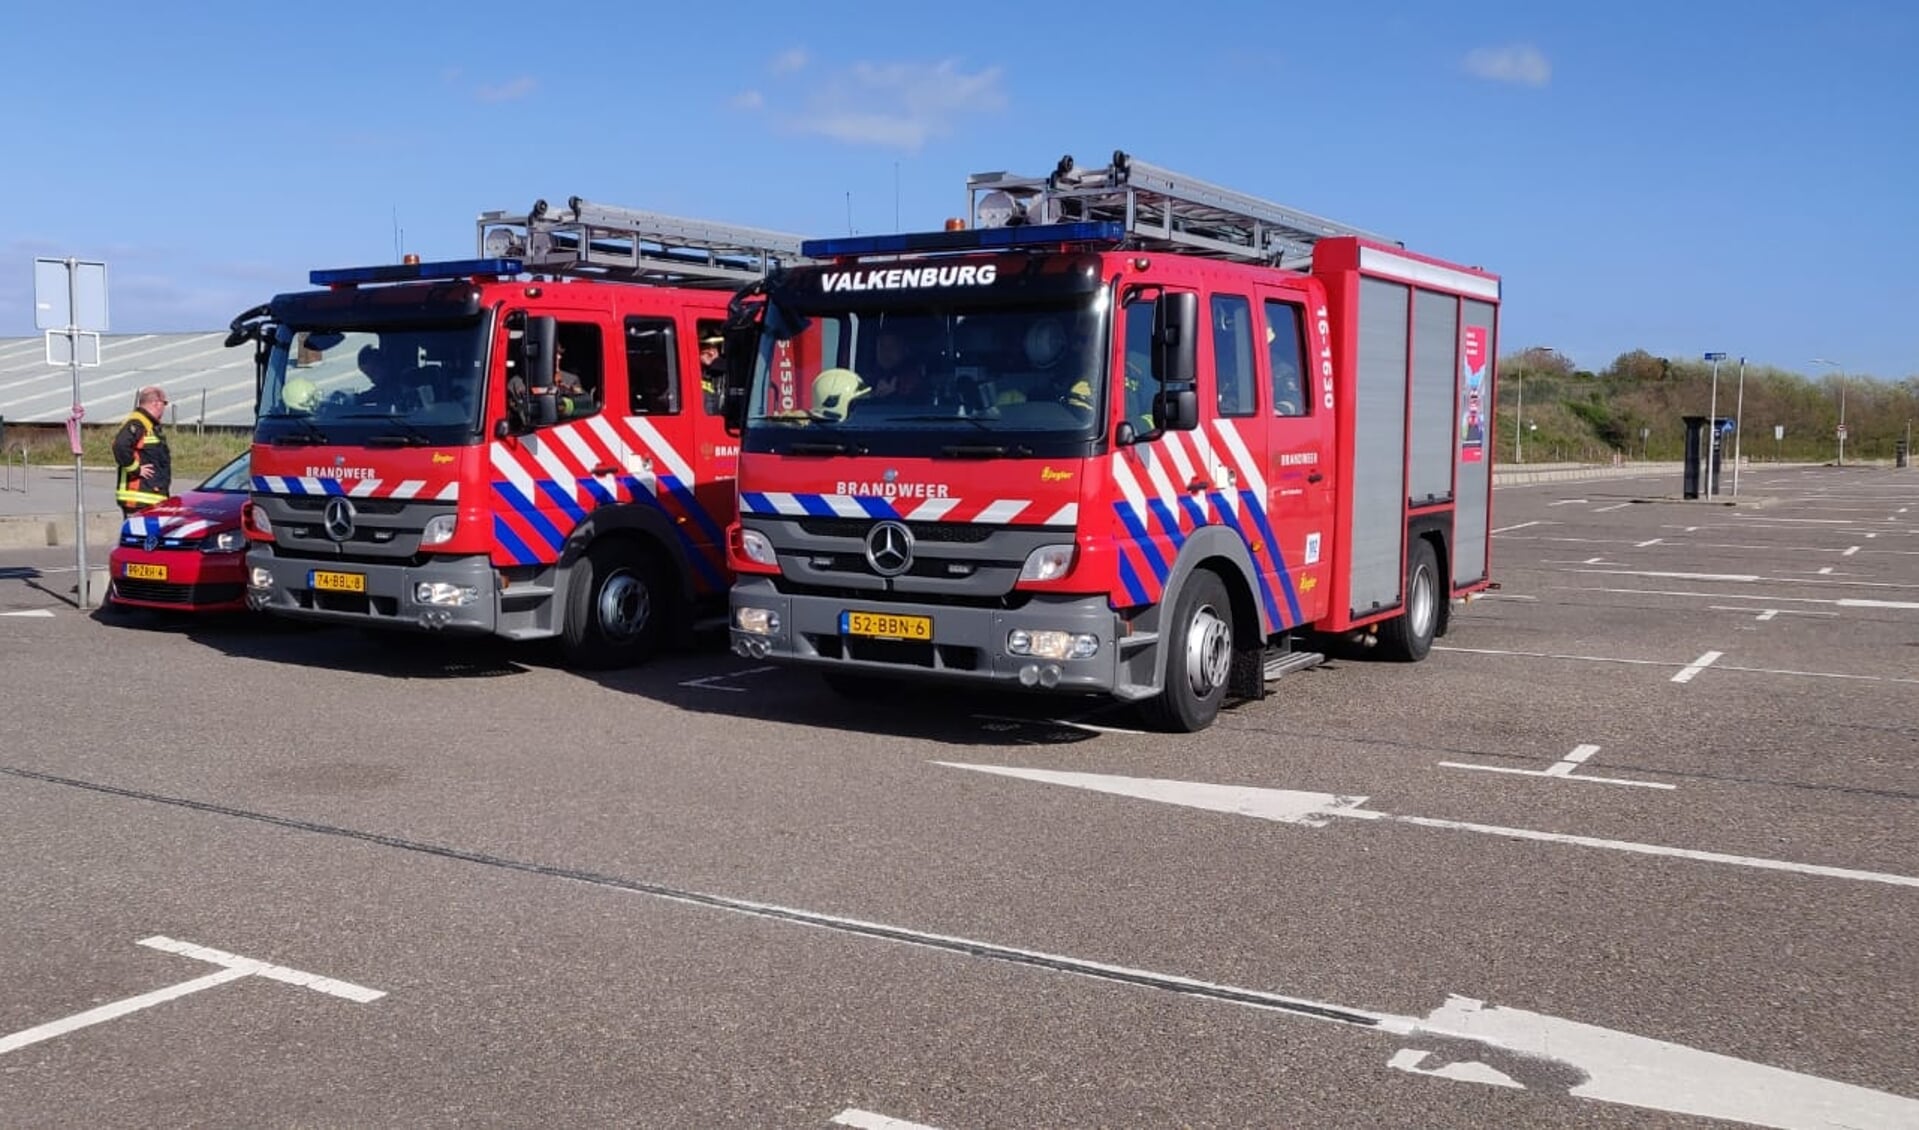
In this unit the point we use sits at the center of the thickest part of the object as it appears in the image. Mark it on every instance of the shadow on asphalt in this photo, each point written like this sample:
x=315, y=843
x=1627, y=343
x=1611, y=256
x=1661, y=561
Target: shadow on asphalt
x=703, y=679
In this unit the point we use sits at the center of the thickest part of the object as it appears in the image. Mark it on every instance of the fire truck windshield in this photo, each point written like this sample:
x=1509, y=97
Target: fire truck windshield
x=906, y=379
x=382, y=384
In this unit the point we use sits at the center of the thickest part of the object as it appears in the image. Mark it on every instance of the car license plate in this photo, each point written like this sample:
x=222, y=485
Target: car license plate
x=886, y=626
x=146, y=572
x=337, y=582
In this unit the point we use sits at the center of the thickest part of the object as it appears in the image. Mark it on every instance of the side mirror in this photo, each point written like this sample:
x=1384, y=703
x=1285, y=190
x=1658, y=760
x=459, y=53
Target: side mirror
x=1176, y=361
x=537, y=350
x=1176, y=338
x=1176, y=410
x=742, y=350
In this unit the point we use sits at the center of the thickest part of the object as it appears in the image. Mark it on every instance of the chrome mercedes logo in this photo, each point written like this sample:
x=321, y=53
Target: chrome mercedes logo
x=337, y=518
x=889, y=548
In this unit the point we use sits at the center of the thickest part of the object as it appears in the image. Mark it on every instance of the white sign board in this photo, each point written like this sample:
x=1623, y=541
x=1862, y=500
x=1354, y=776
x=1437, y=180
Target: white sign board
x=1778, y=432
x=61, y=347
x=69, y=293
x=1842, y=431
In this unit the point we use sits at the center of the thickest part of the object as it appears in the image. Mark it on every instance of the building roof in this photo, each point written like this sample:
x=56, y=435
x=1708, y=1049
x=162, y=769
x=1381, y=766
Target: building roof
x=206, y=382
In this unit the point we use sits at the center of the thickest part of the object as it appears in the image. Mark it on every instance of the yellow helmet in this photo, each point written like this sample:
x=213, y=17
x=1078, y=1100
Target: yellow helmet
x=300, y=395
x=834, y=392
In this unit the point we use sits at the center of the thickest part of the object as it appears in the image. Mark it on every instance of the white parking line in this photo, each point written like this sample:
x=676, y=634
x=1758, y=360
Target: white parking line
x=1649, y=541
x=714, y=682
x=1850, y=552
x=1697, y=665
x=1562, y=769
x=233, y=968
x=1521, y=526
x=35, y=613
x=1615, y=506
x=867, y=1120
x=1769, y=613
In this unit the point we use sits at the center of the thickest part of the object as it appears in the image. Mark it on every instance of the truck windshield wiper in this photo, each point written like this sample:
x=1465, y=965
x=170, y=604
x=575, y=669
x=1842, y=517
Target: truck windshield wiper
x=311, y=435
x=824, y=447
x=982, y=425
x=973, y=450
x=410, y=435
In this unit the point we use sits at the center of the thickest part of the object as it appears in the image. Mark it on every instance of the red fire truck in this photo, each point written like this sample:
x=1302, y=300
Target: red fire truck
x=1125, y=432
x=527, y=444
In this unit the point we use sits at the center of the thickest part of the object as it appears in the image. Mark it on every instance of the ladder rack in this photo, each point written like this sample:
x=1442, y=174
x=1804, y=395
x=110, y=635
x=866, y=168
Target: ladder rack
x=602, y=241
x=1160, y=210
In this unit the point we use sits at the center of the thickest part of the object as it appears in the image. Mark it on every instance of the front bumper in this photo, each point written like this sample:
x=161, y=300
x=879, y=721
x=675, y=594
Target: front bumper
x=193, y=581
x=388, y=601
x=968, y=645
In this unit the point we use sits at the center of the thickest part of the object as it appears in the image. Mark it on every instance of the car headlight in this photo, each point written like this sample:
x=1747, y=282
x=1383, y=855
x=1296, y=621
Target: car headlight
x=226, y=541
x=1047, y=563
x=439, y=529
x=754, y=547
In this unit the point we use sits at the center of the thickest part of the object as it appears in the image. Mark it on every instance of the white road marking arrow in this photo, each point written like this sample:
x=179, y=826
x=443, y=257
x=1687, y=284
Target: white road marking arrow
x=1288, y=806
x=1529, y=1049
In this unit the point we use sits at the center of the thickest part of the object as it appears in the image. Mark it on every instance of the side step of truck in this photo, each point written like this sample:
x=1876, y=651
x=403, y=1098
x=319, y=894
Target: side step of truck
x=1286, y=662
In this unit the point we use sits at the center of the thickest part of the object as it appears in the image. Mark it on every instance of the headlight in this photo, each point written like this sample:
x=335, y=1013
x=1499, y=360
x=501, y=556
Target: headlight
x=439, y=529
x=754, y=547
x=226, y=541
x=757, y=621
x=257, y=518
x=1047, y=563
x=260, y=577
x=1052, y=645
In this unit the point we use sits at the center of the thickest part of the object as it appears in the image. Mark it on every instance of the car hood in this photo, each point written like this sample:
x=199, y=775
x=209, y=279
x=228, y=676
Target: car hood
x=195, y=513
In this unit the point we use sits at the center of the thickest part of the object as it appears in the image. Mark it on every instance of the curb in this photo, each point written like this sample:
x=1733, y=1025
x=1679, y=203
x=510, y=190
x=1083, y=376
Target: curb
x=43, y=531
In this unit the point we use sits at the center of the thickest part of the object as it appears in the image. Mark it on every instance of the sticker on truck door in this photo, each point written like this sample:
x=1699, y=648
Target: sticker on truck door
x=1474, y=364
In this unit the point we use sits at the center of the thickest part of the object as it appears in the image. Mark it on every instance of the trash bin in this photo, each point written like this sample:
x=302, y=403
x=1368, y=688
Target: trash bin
x=1901, y=455
x=1695, y=447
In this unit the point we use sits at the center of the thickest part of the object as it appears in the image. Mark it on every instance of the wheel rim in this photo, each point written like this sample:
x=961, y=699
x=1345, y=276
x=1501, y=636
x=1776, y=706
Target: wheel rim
x=1209, y=651
x=625, y=606
x=1420, y=614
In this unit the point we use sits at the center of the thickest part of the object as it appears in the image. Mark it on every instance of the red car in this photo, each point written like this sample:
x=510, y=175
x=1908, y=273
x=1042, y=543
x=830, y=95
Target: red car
x=188, y=553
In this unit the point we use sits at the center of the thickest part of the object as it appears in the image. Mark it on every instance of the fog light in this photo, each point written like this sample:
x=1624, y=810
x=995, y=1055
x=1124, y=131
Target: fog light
x=758, y=621
x=1051, y=644
x=1047, y=563
x=440, y=592
x=260, y=577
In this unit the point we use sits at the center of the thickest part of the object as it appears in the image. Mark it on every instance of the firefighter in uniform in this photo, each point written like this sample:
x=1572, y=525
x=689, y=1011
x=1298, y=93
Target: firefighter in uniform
x=140, y=450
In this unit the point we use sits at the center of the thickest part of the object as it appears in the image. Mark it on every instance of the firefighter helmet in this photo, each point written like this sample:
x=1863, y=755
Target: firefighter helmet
x=834, y=392
x=300, y=395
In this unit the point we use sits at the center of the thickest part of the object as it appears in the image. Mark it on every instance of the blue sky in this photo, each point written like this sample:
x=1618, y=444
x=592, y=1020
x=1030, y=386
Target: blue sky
x=1677, y=177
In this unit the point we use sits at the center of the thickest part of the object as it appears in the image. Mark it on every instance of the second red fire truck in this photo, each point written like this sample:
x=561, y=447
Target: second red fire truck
x=1125, y=432
x=526, y=445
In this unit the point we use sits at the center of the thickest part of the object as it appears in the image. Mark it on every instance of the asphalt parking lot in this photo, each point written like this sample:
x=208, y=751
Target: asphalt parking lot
x=1636, y=846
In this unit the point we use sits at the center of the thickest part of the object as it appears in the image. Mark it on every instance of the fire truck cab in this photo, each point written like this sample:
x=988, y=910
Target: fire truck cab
x=526, y=445
x=1125, y=433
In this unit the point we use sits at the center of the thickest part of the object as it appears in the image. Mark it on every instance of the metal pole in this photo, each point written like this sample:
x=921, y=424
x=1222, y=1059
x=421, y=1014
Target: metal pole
x=1842, y=417
x=1519, y=413
x=1738, y=425
x=79, y=467
x=1712, y=430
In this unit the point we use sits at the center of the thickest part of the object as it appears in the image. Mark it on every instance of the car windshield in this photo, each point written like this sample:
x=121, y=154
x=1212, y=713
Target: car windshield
x=396, y=384
x=234, y=478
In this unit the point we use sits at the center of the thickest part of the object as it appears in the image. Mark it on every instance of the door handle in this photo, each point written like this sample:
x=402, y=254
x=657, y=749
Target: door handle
x=1197, y=486
x=605, y=469
x=1314, y=476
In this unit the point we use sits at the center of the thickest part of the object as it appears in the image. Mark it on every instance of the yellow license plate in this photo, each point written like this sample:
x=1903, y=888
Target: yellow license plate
x=146, y=572
x=339, y=582
x=886, y=626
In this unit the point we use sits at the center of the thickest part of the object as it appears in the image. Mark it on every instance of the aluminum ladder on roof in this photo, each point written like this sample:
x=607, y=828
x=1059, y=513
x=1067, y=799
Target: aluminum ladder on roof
x=1160, y=210
x=599, y=240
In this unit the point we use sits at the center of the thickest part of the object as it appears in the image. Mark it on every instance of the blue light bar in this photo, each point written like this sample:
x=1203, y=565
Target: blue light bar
x=979, y=239
x=413, y=272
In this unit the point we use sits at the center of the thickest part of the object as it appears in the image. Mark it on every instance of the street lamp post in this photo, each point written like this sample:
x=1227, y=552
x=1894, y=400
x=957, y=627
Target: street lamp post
x=1712, y=426
x=1738, y=425
x=1840, y=370
x=1519, y=410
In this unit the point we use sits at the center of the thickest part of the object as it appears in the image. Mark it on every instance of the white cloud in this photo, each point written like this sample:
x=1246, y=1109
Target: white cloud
x=899, y=105
x=507, y=91
x=790, y=60
x=1520, y=63
x=747, y=100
